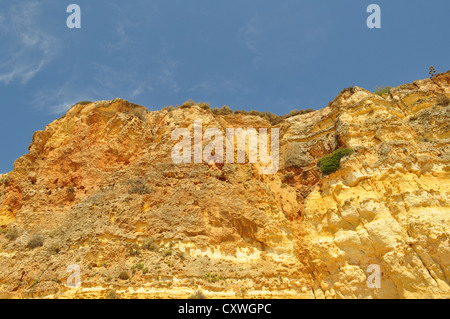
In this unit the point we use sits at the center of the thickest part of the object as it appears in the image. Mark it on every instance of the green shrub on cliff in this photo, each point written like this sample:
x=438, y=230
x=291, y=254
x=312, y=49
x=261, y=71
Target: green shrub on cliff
x=330, y=163
x=380, y=90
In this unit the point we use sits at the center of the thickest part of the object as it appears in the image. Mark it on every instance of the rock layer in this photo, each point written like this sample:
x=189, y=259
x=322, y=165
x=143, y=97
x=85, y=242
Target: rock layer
x=99, y=189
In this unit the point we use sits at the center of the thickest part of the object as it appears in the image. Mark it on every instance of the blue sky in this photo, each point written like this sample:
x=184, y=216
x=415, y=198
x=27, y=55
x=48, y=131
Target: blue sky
x=255, y=55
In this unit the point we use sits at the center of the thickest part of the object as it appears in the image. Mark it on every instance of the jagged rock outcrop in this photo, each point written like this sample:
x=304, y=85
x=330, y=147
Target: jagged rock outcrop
x=101, y=190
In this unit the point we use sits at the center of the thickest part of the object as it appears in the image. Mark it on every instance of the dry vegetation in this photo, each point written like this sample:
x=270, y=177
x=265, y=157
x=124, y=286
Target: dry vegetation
x=226, y=110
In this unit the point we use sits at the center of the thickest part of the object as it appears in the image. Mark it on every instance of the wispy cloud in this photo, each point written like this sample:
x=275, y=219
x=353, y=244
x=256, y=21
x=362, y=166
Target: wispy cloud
x=217, y=84
x=106, y=83
x=249, y=35
x=122, y=39
x=167, y=70
x=167, y=77
x=60, y=99
x=140, y=89
x=128, y=22
x=119, y=82
x=29, y=48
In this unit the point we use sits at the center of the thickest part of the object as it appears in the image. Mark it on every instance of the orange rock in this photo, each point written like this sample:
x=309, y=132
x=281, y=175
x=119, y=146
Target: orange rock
x=100, y=186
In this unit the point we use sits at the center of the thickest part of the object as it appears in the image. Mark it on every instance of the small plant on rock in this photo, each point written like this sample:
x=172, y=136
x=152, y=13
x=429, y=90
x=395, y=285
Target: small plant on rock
x=138, y=187
x=138, y=266
x=330, y=163
x=35, y=241
x=134, y=250
x=12, y=234
x=432, y=72
x=380, y=90
x=198, y=295
x=150, y=244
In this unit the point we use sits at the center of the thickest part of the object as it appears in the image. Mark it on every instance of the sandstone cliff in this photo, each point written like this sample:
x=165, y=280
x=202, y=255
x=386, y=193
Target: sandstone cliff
x=99, y=189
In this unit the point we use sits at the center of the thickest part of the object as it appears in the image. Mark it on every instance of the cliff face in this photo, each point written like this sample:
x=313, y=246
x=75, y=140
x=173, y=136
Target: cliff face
x=99, y=189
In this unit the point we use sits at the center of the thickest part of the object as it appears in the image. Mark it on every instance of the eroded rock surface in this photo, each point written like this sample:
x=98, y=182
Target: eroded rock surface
x=100, y=188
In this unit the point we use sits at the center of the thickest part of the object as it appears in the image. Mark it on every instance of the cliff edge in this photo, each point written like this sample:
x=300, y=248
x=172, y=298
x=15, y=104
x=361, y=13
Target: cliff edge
x=99, y=189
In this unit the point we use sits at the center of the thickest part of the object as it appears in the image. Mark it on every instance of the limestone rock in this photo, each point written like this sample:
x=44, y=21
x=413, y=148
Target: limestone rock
x=101, y=190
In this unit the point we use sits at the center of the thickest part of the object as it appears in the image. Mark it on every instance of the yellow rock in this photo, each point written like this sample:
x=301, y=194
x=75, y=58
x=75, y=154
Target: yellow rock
x=100, y=188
